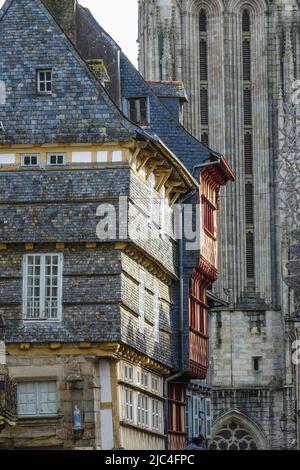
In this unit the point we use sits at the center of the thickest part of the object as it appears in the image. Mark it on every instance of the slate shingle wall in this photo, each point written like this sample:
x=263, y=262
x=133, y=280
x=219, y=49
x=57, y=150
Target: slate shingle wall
x=77, y=111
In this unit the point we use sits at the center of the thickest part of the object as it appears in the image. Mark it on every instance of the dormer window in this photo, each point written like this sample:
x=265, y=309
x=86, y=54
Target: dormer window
x=30, y=160
x=44, y=82
x=138, y=110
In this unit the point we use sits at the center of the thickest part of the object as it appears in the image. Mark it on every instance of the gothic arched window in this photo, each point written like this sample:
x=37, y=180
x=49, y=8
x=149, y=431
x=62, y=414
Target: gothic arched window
x=202, y=22
x=233, y=437
x=203, y=54
x=246, y=22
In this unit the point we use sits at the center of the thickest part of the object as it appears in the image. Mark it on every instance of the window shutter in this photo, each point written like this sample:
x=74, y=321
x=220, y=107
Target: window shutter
x=47, y=398
x=249, y=203
x=248, y=153
x=27, y=399
x=250, y=254
x=196, y=416
x=204, y=106
x=142, y=302
x=208, y=418
x=246, y=60
x=247, y=107
x=203, y=59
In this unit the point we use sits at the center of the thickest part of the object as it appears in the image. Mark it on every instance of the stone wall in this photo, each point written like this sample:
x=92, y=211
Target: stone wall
x=77, y=384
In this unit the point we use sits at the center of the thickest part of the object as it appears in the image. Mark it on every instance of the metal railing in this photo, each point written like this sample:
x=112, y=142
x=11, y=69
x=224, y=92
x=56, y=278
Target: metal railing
x=8, y=398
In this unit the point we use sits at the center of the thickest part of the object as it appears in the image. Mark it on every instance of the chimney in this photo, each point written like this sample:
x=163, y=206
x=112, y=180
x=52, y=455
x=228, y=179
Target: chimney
x=64, y=11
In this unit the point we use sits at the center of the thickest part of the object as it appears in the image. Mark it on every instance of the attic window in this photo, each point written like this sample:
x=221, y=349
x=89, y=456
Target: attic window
x=30, y=160
x=44, y=81
x=138, y=110
x=56, y=159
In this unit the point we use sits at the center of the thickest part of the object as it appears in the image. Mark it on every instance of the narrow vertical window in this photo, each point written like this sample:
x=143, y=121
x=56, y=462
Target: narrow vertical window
x=203, y=63
x=196, y=414
x=155, y=415
x=249, y=203
x=128, y=405
x=202, y=21
x=250, y=254
x=245, y=22
x=156, y=310
x=248, y=153
x=203, y=60
x=142, y=289
x=204, y=139
x=246, y=60
x=204, y=106
x=247, y=107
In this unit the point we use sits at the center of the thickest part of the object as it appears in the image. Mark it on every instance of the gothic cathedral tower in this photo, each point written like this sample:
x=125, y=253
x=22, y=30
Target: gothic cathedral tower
x=237, y=59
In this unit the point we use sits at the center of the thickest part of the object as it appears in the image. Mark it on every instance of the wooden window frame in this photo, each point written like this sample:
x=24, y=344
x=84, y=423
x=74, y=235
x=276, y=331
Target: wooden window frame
x=41, y=286
x=44, y=81
x=37, y=385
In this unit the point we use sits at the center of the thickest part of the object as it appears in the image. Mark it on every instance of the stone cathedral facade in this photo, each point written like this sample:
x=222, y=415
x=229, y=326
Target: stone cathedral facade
x=238, y=59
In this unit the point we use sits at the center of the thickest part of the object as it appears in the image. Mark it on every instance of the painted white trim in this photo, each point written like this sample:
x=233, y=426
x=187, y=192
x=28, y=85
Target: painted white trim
x=102, y=157
x=37, y=155
x=42, y=286
x=7, y=158
x=107, y=432
x=117, y=156
x=105, y=381
x=81, y=157
x=45, y=92
x=56, y=154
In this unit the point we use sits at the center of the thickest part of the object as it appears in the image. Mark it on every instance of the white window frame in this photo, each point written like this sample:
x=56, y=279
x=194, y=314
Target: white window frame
x=128, y=405
x=37, y=385
x=143, y=410
x=30, y=155
x=49, y=155
x=142, y=295
x=128, y=372
x=39, y=82
x=155, y=414
x=42, y=287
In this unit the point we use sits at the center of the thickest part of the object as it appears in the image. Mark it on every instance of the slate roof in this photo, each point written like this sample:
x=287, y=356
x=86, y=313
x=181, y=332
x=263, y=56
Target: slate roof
x=163, y=89
x=163, y=124
x=79, y=109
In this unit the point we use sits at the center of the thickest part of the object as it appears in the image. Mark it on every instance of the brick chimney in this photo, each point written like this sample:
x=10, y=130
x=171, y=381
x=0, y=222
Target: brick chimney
x=64, y=11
